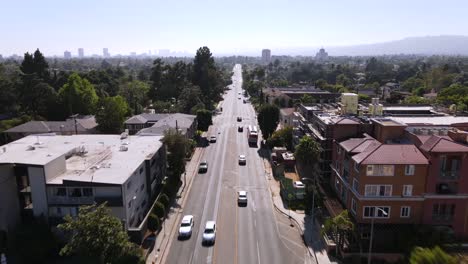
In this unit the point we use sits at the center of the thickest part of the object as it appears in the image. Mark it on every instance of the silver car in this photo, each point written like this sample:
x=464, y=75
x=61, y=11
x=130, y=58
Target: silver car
x=185, y=229
x=209, y=235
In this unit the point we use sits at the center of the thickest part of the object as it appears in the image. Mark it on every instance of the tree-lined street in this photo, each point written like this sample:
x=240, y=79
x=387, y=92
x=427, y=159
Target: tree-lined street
x=252, y=234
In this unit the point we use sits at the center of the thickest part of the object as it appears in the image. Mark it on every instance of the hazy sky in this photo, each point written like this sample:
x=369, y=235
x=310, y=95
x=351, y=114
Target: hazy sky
x=225, y=26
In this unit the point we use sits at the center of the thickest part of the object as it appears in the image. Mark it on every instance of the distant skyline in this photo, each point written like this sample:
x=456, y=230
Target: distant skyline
x=226, y=27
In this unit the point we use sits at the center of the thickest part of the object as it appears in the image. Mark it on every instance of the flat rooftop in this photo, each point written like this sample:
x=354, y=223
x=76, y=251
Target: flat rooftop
x=89, y=158
x=431, y=120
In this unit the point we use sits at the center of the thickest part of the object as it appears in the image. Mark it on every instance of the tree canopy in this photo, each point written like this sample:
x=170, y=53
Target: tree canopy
x=268, y=118
x=78, y=95
x=204, y=119
x=111, y=114
x=434, y=255
x=307, y=151
x=98, y=236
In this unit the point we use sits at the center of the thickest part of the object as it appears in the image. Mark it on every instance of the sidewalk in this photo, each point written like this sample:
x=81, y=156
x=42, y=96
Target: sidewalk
x=165, y=235
x=310, y=231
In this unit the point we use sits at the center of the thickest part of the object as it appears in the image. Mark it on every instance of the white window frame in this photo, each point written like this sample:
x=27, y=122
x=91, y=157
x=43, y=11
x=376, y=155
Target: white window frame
x=408, y=212
x=409, y=170
x=380, y=170
x=407, y=190
x=373, y=190
x=378, y=211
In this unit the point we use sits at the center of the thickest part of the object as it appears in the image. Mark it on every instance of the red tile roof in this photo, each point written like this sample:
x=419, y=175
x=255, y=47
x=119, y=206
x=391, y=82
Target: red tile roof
x=443, y=145
x=395, y=154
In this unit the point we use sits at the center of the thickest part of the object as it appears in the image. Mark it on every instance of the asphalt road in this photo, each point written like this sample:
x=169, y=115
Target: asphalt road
x=252, y=234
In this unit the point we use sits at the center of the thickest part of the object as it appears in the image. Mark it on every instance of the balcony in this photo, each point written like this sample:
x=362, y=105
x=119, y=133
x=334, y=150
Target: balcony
x=449, y=175
x=447, y=188
x=71, y=200
x=442, y=218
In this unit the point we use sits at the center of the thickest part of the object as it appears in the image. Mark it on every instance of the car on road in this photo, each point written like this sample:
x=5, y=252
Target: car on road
x=209, y=235
x=239, y=97
x=298, y=184
x=213, y=139
x=240, y=129
x=244, y=101
x=203, y=167
x=242, y=198
x=185, y=229
x=239, y=119
x=242, y=160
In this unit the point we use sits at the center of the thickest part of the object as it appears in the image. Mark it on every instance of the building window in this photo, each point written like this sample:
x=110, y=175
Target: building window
x=405, y=211
x=142, y=187
x=339, y=150
x=87, y=192
x=59, y=211
x=129, y=184
x=407, y=190
x=373, y=212
x=60, y=191
x=141, y=170
x=380, y=170
x=143, y=203
x=409, y=170
x=75, y=192
x=443, y=212
x=337, y=185
x=356, y=167
x=353, y=206
x=378, y=190
x=130, y=204
x=356, y=185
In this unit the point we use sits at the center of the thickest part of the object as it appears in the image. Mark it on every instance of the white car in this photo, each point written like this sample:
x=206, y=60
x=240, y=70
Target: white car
x=213, y=139
x=203, y=167
x=209, y=235
x=242, y=160
x=185, y=229
x=242, y=197
x=298, y=184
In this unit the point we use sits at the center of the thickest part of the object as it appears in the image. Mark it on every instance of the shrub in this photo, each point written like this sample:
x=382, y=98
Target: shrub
x=153, y=223
x=164, y=199
x=159, y=210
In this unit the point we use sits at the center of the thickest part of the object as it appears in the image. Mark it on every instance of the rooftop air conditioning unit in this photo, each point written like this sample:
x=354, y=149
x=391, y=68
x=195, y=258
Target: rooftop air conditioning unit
x=123, y=148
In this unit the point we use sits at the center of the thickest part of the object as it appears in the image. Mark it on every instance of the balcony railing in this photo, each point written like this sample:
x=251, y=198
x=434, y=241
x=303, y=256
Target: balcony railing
x=449, y=175
x=447, y=188
x=71, y=200
x=442, y=218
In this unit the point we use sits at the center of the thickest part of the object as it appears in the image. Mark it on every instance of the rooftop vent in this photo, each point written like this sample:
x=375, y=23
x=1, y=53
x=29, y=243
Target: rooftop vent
x=30, y=147
x=124, y=135
x=123, y=148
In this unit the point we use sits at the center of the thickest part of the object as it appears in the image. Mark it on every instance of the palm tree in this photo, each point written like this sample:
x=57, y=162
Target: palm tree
x=308, y=152
x=338, y=226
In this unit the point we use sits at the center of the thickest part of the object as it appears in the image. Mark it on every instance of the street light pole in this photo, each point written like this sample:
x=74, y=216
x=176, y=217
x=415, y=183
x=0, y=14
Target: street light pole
x=369, y=255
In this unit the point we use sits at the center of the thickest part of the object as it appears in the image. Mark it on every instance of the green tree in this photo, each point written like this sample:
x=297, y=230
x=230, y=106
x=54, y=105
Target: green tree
x=156, y=79
x=268, y=118
x=135, y=92
x=177, y=145
x=78, y=95
x=154, y=223
x=306, y=99
x=111, y=114
x=37, y=240
x=189, y=98
x=307, y=151
x=96, y=235
x=204, y=119
x=454, y=94
x=281, y=138
x=337, y=227
x=413, y=83
x=8, y=96
x=415, y=100
x=206, y=75
x=435, y=255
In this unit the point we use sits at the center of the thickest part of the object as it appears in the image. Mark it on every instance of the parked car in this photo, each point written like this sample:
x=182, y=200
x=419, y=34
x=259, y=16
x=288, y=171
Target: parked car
x=185, y=229
x=240, y=129
x=298, y=184
x=209, y=235
x=239, y=119
x=203, y=167
x=242, y=198
x=213, y=139
x=242, y=160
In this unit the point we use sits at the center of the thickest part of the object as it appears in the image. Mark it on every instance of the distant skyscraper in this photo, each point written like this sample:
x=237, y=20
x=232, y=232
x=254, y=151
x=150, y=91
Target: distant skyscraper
x=266, y=55
x=105, y=53
x=321, y=55
x=67, y=54
x=133, y=54
x=80, y=53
